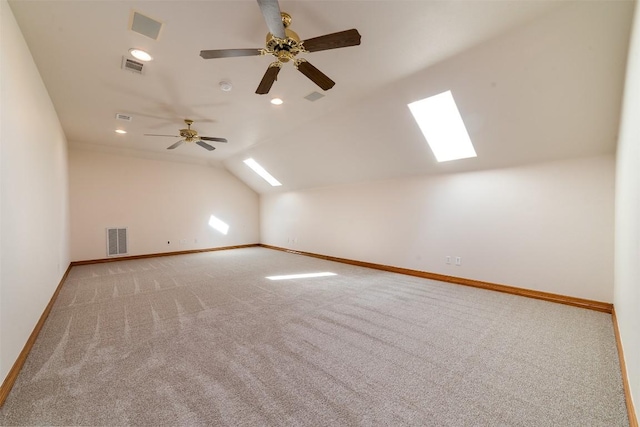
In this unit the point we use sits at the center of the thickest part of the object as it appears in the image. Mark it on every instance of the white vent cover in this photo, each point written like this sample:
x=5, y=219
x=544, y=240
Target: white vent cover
x=146, y=26
x=131, y=65
x=314, y=96
x=116, y=241
x=125, y=117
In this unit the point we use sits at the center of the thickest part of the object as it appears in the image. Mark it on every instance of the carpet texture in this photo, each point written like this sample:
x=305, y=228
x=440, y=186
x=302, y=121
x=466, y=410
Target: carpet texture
x=206, y=339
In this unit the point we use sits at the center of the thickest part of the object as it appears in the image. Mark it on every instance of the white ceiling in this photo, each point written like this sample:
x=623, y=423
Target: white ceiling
x=534, y=81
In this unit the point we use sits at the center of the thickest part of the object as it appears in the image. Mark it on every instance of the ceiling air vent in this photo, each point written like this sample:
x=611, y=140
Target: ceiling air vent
x=131, y=65
x=314, y=96
x=124, y=117
x=146, y=26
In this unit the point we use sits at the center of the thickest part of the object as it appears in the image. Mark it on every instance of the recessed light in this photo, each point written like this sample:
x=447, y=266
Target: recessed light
x=121, y=131
x=277, y=101
x=140, y=55
x=225, y=86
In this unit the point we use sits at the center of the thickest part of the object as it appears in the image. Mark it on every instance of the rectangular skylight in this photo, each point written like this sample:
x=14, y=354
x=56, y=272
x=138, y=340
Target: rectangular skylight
x=442, y=126
x=262, y=172
x=301, y=276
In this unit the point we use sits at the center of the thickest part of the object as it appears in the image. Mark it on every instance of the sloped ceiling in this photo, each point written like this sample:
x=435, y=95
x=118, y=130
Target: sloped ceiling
x=534, y=81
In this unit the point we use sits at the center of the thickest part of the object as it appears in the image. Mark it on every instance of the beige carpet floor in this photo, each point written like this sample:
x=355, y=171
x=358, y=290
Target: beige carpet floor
x=206, y=339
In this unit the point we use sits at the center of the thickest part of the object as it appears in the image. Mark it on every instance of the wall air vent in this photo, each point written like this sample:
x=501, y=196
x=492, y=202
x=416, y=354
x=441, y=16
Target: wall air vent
x=144, y=25
x=131, y=65
x=314, y=96
x=116, y=241
x=125, y=117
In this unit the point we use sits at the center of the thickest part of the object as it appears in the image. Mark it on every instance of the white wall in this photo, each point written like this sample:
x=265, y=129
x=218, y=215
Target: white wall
x=627, y=240
x=159, y=201
x=547, y=227
x=34, y=214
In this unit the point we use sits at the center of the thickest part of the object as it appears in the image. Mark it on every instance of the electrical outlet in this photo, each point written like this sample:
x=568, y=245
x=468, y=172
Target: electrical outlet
x=447, y=260
x=458, y=260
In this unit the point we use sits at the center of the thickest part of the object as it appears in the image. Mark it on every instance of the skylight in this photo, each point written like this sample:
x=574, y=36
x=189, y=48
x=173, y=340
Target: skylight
x=218, y=224
x=262, y=172
x=442, y=126
x=301, y=276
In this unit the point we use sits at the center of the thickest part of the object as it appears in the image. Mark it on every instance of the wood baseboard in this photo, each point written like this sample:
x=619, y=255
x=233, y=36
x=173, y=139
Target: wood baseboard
x=11, y=377
x=161, y=254
x=633, y=420
x=546, y=296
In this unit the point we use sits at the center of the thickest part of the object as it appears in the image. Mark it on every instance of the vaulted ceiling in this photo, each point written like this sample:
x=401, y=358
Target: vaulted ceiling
x=534, y=81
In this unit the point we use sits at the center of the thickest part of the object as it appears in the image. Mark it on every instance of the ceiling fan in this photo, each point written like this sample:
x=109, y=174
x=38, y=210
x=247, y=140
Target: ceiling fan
x=285, y=44
x=191, y=135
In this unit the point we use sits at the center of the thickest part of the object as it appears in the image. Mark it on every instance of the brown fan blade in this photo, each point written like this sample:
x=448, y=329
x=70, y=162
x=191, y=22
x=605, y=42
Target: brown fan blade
x=153, y=134
x=177, y=144
x=228, y=53
x=333, y=41
x=270, y=76
x=205, y=145
x=211, y=138
x=271, y=12
x=315, y=75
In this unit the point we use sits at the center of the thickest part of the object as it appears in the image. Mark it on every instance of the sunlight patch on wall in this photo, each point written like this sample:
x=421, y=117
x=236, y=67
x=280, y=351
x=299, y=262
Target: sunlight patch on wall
x=218, y=224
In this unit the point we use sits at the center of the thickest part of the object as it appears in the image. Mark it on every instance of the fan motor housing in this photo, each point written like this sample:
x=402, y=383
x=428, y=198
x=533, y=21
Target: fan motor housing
x=284, y=49
x=188, y=133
